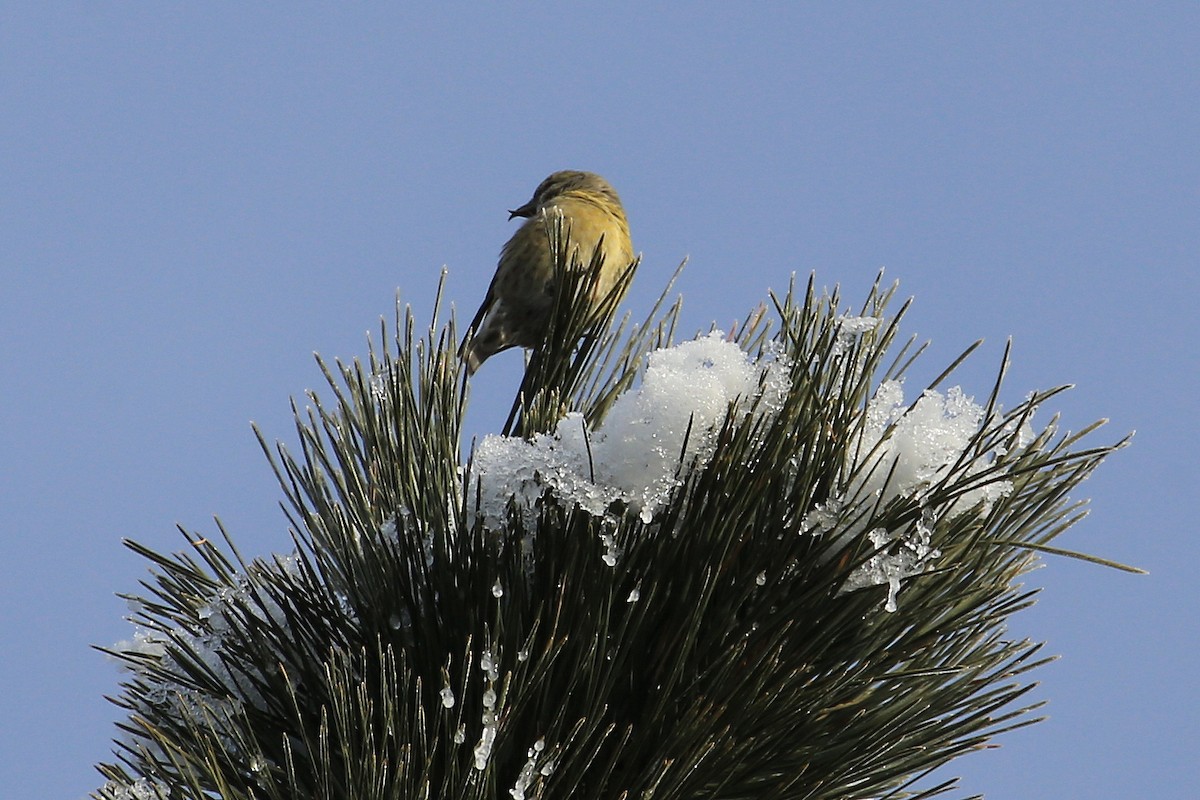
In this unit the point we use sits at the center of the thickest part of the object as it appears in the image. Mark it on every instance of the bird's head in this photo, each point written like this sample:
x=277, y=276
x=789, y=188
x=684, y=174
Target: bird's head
x=559, y=183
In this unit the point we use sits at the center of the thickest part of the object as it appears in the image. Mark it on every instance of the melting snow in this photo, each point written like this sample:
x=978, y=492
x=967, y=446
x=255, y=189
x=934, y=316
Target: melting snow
x=650, y=436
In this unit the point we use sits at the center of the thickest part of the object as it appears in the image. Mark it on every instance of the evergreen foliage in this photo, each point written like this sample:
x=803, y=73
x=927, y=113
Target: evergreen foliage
x=740, y=646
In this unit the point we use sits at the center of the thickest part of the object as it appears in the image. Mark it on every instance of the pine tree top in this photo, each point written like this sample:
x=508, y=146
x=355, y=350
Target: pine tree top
x=743, y=565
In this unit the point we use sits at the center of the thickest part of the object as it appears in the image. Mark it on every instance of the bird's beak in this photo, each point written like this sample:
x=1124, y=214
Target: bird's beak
x=526, y=210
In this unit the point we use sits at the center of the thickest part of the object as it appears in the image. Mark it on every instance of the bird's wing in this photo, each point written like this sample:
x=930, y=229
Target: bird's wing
x=488, y=299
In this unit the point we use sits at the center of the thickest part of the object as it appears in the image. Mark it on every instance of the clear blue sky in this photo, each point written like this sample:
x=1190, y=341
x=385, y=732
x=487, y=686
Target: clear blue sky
x=194, y=198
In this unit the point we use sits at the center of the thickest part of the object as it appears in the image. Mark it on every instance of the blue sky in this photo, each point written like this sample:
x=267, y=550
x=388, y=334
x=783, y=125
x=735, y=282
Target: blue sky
x=196, y=197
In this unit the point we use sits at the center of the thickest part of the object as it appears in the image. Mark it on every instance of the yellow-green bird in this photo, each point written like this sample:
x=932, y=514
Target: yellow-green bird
x=520, y=299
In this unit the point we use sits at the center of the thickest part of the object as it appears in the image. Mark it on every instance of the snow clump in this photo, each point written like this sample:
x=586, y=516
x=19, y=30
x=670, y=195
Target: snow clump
x=651, y=437
x=904, y=450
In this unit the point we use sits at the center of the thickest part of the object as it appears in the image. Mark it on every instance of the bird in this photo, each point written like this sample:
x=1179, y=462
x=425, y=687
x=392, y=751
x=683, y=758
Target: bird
x=520, y=299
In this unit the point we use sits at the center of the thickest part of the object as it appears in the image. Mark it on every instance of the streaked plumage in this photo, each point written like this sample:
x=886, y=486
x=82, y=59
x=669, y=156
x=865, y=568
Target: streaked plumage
x=516, y=309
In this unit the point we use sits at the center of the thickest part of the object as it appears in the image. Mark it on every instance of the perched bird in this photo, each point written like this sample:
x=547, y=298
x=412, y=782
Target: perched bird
x=520, y=299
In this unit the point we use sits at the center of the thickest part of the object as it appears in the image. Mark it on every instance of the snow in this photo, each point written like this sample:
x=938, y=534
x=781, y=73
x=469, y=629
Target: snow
x=651, y=437
x=850, y=328
x=904, y=451
x=230, y=610
x=898, y=556
x=530, y=770
x=141, y=789
x=487, y=736
x=489, y=718
x=225, y=611
x=656, y=433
